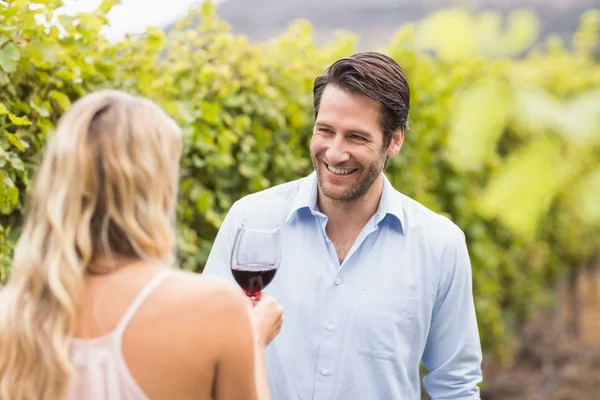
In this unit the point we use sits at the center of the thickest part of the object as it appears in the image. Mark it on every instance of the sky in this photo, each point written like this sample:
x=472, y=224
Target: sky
x=133, y=16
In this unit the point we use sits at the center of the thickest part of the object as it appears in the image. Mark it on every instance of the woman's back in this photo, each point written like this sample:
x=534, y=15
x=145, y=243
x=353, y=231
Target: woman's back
x=151, y=332
x=102, y=200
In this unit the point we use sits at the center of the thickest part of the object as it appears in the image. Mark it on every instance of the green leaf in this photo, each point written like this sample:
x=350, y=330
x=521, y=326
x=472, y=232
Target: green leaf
x=3, y=157
x=9, y=194
x=210, y=112
x=523, y=28
x=585, y=199
x=9, y=57
x=480, y=118
x=4, y=78
x=61, y=99
x=204, y=202
x=449, y=33
x=16, y=162
x=44, y=54
x=535, y=110
x=66, y=75
x=3, y=109
x=20, y=135
x=44, y=125
x=107, y=5
x=155, y=38
x=524, y=188
x=12, y=139
x=22, y=121
x=181, y=111
x=580, y=118
x=67, y=21
x=43, y=109
x=198, y=162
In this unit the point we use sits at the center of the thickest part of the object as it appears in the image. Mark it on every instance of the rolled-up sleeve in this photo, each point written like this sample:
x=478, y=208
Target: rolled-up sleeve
x=453, y=350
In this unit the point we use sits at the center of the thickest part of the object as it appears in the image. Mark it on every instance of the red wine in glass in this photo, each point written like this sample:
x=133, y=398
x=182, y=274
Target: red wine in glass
x=253, y=278
x=256, y=254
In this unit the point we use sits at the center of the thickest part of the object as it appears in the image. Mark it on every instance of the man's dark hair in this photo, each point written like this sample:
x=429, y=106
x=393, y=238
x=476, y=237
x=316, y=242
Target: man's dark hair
x=374, y=75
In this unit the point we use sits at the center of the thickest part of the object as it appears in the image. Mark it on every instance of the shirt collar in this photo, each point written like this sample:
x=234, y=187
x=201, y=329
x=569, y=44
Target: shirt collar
x=390, y=203
x=306, y=197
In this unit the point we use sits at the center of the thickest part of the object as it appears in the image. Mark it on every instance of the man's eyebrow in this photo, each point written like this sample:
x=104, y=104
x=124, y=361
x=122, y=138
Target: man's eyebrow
x=361, y=132
x=357, y=131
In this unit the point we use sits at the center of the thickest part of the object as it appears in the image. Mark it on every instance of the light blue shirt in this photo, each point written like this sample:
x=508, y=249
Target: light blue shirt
x=360, y=329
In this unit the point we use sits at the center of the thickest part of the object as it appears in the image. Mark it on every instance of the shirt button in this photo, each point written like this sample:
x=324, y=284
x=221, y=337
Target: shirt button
x=325, y=371
x=337, y=281
x=329, y=327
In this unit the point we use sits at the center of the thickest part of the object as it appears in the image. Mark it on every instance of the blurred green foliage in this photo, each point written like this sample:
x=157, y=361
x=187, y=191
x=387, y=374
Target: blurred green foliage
x=504, y=137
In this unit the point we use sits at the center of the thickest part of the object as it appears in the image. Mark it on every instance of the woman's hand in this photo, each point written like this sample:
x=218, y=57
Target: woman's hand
x=267, y=318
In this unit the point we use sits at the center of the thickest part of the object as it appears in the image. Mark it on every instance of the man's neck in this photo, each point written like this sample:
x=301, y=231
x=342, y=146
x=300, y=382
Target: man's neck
x=352, y=214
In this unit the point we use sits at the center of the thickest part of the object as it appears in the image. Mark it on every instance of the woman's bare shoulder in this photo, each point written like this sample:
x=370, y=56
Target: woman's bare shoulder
x=198, y=310
x=206, y=293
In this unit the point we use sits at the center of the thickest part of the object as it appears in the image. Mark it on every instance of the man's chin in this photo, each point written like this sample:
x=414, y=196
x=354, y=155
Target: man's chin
x=334, y=194
x=334, y=190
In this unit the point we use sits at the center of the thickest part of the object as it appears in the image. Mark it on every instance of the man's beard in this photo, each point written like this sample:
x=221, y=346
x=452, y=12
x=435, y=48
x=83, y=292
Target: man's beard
x=356, y=191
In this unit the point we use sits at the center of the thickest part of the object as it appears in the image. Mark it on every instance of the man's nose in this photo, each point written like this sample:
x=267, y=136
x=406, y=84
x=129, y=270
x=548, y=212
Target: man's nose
x=337, y=152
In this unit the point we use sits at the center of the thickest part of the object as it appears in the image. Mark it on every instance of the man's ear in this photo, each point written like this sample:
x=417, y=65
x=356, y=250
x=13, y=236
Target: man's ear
x=396, y=143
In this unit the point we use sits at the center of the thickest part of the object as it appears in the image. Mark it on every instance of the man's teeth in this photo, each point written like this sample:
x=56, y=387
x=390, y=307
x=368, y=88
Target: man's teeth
x=339, y=171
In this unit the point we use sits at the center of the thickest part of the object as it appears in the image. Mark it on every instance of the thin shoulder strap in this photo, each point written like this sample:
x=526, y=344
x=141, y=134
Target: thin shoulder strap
x=139, y=300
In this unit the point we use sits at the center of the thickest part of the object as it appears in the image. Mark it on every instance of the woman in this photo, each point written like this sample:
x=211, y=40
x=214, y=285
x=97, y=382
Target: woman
x=91, y=311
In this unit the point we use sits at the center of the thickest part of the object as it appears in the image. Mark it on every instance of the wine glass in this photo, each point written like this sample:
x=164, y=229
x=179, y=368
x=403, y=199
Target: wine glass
x=256, y=254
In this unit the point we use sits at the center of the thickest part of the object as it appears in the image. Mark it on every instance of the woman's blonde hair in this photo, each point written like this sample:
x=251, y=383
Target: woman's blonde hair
x=107, y=186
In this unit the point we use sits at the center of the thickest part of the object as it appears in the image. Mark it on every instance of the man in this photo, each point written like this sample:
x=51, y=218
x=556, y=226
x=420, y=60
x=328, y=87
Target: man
x=371, y=281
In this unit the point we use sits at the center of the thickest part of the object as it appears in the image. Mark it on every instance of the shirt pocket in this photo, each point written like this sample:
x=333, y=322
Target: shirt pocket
x=384, y=325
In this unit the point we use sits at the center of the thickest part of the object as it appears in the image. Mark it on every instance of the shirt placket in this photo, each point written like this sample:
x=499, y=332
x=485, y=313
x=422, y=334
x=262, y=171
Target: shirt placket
x=328, y=346
x=331, y=325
